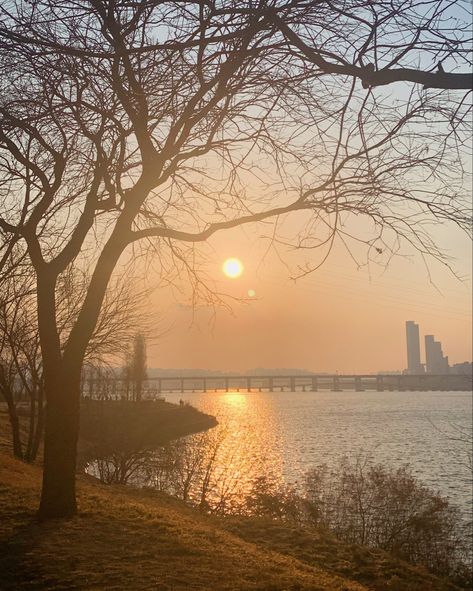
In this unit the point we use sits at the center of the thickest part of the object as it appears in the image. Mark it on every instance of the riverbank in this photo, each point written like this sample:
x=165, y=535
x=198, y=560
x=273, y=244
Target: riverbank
x=127, y=538
x=122, y=426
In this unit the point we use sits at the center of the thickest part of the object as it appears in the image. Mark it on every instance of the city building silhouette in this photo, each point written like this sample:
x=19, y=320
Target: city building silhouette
x=414, y=365
x=435, y=361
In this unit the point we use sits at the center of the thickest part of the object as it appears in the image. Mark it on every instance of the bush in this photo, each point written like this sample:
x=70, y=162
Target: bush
x=389, y=509
x=375, y=506
x=267, y=500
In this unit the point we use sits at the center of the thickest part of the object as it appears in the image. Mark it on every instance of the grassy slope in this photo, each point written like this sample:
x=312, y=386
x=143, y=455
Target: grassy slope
x=130, y=539
x=375, y=569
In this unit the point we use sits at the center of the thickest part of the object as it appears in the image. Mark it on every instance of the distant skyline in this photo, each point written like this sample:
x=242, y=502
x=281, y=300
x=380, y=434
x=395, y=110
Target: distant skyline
x=338, y=318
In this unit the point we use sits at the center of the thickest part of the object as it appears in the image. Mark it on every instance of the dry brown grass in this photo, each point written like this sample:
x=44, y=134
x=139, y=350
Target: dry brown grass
x=375, y=569
x=137, y=540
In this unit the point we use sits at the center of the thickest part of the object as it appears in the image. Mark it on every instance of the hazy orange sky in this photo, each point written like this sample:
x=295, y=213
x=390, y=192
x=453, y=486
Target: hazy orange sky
x=338, y=318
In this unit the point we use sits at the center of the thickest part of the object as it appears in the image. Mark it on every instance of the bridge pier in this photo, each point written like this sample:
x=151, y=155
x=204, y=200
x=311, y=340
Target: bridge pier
x=379, y=384
x=226, y=385
x=292, y=382
x=315, y=384
x=271, y=384
x=358, y=385
x=248, y=384
x=182, y=386
x=336, y=384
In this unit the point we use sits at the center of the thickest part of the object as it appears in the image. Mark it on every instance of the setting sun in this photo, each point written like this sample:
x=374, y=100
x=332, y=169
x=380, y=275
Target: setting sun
x=232, y=268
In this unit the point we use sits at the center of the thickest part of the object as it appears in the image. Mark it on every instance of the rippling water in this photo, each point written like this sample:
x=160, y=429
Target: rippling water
x=284, y=434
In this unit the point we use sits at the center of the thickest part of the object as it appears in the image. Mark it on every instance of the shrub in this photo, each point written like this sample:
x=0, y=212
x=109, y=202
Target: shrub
x=388, y=508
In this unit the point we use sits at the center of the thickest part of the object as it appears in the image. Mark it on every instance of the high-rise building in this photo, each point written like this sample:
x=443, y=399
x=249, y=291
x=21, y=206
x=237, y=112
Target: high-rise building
x=435, y=361
x=414, y=365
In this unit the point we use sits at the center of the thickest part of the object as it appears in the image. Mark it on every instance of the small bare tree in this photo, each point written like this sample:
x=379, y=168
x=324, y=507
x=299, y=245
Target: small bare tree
x=136, y=369
x=20, y=362
x=188, y=469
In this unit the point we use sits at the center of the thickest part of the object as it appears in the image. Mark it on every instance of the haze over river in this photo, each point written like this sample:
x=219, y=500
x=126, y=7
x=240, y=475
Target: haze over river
x=284, y=434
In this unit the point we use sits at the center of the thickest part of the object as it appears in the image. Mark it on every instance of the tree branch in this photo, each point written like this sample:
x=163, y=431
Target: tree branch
x=383, y=77
x=162, y=232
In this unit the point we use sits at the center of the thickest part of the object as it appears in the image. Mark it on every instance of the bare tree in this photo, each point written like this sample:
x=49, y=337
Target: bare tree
x=190, y=469
x=21, y=367
x=136, y=369
x=461, y=437
x=164, y=122
x=20, y=361
x=370, y=504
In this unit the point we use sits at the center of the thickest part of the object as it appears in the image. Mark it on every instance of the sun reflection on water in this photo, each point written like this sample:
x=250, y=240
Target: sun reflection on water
x=249, y=439
x=235, y=399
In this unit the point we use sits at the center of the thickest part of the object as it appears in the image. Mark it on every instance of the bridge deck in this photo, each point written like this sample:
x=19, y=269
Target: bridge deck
x=115, y=387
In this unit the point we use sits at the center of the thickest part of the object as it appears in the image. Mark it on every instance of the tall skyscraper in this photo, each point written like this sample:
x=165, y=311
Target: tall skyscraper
x=435, y=361
x=413, y=348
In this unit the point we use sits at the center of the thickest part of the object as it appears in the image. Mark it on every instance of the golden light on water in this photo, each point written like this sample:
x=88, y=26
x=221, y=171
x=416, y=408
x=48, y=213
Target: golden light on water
x=232, y=268
x=235, y=399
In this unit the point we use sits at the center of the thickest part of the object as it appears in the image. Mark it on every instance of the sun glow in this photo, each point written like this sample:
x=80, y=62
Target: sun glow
x=235, y=399
x=232, y=268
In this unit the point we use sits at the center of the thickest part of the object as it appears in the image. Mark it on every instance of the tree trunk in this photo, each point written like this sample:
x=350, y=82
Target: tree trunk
x=39, y=425
x=6, y=390
x=15, y=427
x=58, y=497
x=62, y=373
x=32, y=424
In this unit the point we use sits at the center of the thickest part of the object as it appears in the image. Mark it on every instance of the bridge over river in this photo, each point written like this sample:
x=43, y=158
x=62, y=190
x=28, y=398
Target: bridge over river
x=114, y=387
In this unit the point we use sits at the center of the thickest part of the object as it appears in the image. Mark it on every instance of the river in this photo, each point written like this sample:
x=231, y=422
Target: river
x=284, y=434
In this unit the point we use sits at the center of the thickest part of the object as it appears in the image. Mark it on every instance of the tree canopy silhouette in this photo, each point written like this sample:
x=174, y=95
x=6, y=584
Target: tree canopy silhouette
x=124, y=122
